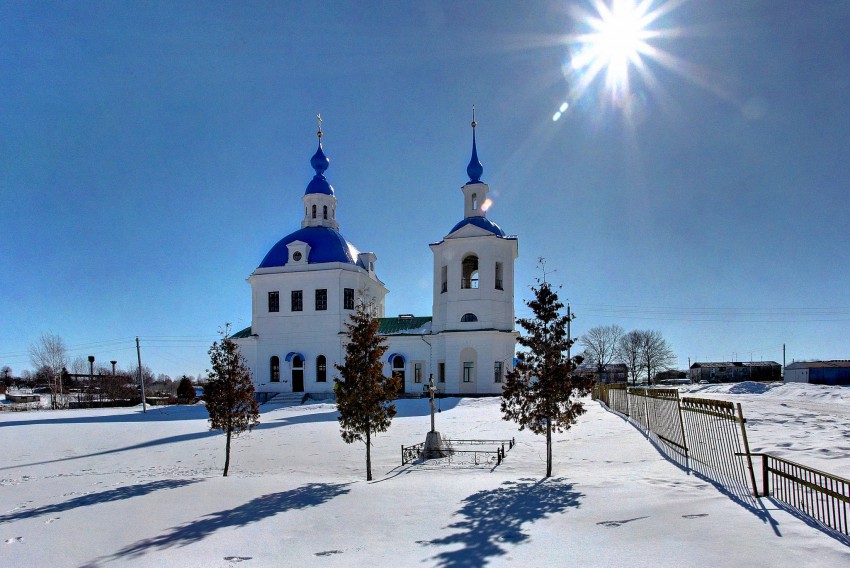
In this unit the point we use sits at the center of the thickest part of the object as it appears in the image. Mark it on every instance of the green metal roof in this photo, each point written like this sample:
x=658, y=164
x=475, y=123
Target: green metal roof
x=391, y=326
x=242, y=334
x=386, y=326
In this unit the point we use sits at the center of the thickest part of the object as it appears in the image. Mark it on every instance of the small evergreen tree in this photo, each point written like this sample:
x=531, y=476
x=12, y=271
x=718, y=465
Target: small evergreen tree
x=542, y=393
x=364, y=395
x=229, y=392
x=185, y=390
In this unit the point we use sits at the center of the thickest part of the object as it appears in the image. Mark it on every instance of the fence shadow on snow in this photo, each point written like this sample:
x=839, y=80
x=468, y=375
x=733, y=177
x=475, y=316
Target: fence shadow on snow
x=708, y=438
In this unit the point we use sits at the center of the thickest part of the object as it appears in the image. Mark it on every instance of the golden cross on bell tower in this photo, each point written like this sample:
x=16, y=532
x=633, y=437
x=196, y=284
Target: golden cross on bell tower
x=474, y=124
x=319, y=119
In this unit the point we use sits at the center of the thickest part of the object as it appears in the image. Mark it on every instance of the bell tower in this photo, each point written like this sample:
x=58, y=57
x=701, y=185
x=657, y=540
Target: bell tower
x=474, y=264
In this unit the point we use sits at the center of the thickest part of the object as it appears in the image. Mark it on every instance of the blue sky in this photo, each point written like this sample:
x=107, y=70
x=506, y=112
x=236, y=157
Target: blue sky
x=152, y=153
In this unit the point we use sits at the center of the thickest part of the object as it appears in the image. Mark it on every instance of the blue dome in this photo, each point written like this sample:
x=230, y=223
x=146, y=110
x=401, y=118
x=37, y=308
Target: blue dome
x=482, y=223
x=319, y=184
x=326, y=245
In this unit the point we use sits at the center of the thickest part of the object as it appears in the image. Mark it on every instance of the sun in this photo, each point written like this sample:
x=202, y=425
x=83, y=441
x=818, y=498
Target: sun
x=615, y=40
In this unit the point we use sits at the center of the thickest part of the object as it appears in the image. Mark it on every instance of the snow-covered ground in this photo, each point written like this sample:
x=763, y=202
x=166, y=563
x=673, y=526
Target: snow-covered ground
x=118, y=487
x=809, y=424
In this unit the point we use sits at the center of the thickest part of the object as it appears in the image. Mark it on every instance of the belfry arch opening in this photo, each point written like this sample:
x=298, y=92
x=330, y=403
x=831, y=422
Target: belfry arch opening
x=469, y=272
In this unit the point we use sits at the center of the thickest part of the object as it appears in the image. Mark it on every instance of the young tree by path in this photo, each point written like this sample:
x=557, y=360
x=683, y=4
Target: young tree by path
x=542, y=393
x=363, y=394
x=229, y=392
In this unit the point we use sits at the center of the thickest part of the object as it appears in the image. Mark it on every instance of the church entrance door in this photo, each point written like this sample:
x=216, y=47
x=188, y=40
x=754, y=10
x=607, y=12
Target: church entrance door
x=398, y=371
x=297, y=374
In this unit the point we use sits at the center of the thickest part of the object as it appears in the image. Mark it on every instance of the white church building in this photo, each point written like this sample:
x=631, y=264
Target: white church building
x=308, y=284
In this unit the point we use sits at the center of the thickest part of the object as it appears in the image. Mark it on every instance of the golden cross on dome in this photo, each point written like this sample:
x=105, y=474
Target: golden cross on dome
x=319, y=118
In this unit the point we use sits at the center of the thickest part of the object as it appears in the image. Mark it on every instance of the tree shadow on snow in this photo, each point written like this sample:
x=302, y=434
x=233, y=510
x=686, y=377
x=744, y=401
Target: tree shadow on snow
x=492, y=519
x=409, y=407
x=132, y=415
x=140, y=446
x=117, y=494
x=289, y=420
x=257, y=509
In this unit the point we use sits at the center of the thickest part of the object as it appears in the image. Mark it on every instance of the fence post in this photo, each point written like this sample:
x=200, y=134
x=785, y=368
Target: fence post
x=682, y=424
x=765, y=478
x=747, y=449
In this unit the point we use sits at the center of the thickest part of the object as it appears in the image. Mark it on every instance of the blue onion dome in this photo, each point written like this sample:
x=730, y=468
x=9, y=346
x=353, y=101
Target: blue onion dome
x=319, y=161
x=319, y=184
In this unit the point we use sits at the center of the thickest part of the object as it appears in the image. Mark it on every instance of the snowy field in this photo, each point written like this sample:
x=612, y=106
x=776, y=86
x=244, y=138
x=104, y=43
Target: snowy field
x=809, y=424
x=115, y=487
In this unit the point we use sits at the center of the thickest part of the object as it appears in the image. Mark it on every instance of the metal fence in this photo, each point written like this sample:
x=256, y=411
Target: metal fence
x=716, y=435
x=712, y=437
x=821, y=496
x=455, y=452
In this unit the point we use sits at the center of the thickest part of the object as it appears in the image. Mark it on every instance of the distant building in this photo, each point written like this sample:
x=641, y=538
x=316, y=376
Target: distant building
x=671, y=377
x=735, y=371
x=613, y=372
x=819, y=372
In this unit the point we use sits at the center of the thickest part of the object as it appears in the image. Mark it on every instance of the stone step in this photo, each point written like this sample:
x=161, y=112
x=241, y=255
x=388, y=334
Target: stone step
x=286, y=399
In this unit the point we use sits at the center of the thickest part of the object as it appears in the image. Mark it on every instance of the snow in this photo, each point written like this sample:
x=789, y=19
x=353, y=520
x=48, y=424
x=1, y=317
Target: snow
x=809, y=424
x=111, y=487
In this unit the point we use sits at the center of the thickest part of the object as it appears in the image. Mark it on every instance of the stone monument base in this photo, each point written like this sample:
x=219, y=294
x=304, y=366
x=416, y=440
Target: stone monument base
x=433, y=446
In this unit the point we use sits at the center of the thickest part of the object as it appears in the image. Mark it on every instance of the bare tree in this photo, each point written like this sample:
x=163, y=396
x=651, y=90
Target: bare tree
x=601, y=344
x=656, y=354
x=49, y=356
x=630, y=349
x=80, y=365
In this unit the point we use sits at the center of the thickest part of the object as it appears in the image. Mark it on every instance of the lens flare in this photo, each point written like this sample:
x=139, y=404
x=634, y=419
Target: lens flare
x=488, y=203
x=616, y=39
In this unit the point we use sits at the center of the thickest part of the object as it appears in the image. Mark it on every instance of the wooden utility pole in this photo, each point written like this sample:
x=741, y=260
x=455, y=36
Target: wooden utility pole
x=569, y=319
x=141, y=378
x=783, y=361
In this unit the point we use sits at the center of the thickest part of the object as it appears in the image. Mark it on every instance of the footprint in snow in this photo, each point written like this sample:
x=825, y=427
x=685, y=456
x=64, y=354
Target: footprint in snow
x=327, y=552
x=15, y=539
x=614, y=524
x=237, y=558
x=697, y=516
x=52, y=520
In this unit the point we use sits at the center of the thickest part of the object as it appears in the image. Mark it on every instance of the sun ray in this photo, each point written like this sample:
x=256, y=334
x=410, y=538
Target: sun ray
x=616, y=44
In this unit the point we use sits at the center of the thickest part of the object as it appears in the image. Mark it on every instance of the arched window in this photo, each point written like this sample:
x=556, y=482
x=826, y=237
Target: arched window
x=325, y=211
x=321, y=369
x=297, y=362
x=469, y=317
x=314, y=211
x=274, y=369
x=469, y=272
x=475, y=201
x=499, y=276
